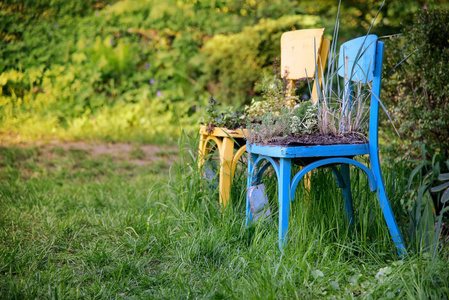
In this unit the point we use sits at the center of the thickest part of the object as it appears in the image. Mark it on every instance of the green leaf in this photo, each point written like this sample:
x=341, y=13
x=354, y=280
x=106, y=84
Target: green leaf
x=398, y=263
x=317, y=273
x=439, y=187
x=444, y=210
x=443, y=177
x=386, y=270
x=335, y=285
x=415, y=171
x=436, y=238
x=445, y=196
x=354, y=279
x=383, y=272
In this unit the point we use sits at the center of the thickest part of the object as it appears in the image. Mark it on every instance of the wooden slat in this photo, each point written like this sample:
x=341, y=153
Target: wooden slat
x=299, y=52
x=224, y=132
x=356, y=64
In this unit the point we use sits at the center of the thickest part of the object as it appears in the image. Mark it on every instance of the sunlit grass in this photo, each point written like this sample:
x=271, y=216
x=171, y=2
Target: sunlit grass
x=137, y=122
x=75, y=225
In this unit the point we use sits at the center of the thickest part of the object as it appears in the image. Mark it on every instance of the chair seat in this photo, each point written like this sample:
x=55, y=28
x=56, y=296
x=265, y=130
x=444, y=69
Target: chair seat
x=224, y=132
x=308, y=151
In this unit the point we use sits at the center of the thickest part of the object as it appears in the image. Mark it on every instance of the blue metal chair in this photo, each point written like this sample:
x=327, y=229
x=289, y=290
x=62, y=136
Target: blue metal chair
x=363, y=57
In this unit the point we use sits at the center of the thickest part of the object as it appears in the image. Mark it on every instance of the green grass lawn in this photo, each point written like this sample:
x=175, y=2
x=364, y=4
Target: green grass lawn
x=78, y=224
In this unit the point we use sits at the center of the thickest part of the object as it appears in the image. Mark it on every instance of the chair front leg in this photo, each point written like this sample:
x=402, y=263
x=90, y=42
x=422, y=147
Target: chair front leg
x=226, y=156
x=284, y=199
x=386, y=207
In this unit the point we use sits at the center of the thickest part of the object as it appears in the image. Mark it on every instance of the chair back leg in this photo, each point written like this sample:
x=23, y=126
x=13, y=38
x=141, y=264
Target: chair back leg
x=344, y=182
x=346, y=191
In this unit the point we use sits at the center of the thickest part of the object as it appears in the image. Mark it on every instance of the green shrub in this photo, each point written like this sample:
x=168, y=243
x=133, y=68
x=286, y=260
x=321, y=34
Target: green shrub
x=66, y=63
x=236, y=62
x=110, y=69
x=418, y=90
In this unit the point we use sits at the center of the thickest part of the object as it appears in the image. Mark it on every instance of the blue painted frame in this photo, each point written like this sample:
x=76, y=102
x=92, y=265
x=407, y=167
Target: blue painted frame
x=364, y=56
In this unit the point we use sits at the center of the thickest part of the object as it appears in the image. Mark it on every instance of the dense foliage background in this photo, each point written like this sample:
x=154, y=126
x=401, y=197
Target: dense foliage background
x=418, y=91
x=141, y=70
x=79, y=222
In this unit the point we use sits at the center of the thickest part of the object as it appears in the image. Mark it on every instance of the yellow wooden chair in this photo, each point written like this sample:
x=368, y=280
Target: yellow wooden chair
x=231, y=143
x=297, y=62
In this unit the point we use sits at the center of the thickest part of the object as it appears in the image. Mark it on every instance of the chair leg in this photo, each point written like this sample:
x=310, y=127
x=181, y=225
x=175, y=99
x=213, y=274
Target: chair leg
x=284, y=199
x=386, y=208
x=202, y=150
x=226, y=156
x=346, y=191
x=252, y=175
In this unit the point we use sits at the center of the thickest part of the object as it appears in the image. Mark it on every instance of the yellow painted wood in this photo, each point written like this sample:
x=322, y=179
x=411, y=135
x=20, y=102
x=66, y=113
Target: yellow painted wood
x=300, y=50
x=202, y=153
x=226, y=157
x=224, y=132
x=203, y=150
x=321, y=67
x=224, y=139
x=303, y=53
x=236, y=158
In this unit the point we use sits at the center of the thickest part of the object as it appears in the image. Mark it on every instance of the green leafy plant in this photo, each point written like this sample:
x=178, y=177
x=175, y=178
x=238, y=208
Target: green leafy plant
x=275, y=95
x=235, y=62
x=270, y=127
x=340, y=112
x=427, y=210
x=287, y=122
x=280, y=113
x=304, y=119
x=443, y=189
x=217, y=117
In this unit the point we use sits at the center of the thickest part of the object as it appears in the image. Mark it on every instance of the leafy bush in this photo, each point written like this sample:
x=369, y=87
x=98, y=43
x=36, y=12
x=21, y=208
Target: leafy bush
x=96, y=74
x=418, y=90
x=66, y=63
x=67, y=67
x=234, y=63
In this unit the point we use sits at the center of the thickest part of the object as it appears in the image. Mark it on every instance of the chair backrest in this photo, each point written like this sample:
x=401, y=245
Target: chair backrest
x=357, y=57
x=302, y=53
x=360, y=60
